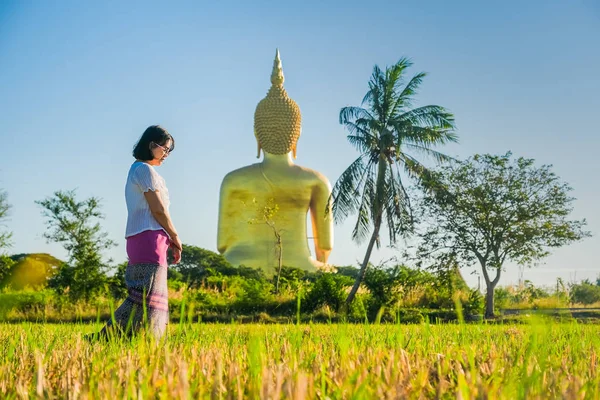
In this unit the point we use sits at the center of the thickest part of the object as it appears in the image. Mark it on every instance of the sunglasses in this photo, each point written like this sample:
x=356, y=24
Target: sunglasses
x=163, y=148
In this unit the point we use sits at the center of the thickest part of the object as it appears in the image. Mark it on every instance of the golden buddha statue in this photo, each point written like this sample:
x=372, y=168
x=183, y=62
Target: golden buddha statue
x=292, y=189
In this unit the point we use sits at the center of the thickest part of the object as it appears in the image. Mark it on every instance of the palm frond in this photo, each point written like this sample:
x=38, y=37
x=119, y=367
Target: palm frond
x=349, y=114
x=344, y=195
x=395, y=73
x=363, y=143
x=424, y=136
x=404, y=99
x=413, y=168
x=429, y=116
x=375, y=95
x=440, y=158
x=398, y=210
x=357, y=129
x=375, y=77
x=363, y=222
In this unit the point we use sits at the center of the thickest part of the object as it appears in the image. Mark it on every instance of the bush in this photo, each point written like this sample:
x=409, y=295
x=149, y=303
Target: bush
x=293, y=279
x=474, y=304
x=256, y=296
x=328, y=289
x=380, y=283
x=502, y=298
x=442, y=316
x=585, y=293
x=80, y=281
x=358, y=311
x=25, y=302
x=6, y=266
x=349, y=271
x=410, y=316
x=116, y=283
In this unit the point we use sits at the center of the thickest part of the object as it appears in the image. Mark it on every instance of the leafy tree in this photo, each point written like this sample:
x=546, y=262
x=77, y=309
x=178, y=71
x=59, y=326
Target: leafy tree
x=529, y=293
x=349, y=270
x=198, y=263
x=293, y=279
x=6, y=266
x=381, y=283
x=388, y=133
x=116, y=283
x=329, y=289
x=74, y=224
x=585, y=293
x=492, y=209
x=4, y=211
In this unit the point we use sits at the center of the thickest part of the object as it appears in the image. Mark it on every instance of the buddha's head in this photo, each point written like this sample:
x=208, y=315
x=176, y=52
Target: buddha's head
x=277, y=118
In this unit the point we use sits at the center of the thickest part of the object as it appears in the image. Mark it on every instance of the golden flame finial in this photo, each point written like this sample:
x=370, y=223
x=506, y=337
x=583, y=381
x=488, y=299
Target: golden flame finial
x=277, y=77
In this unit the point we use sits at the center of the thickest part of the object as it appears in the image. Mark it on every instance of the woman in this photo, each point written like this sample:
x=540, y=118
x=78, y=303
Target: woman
x=149, y=234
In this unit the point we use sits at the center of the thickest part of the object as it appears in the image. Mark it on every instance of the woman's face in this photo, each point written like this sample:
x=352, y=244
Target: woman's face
x=160, y=152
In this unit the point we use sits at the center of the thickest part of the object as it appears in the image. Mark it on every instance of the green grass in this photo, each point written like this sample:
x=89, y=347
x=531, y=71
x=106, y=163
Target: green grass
x=340, y=361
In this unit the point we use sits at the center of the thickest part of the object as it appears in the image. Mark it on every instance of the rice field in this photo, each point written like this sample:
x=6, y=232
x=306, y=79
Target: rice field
x=341, y=361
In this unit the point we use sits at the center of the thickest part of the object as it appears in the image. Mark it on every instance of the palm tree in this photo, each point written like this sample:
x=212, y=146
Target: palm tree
x=387, y=132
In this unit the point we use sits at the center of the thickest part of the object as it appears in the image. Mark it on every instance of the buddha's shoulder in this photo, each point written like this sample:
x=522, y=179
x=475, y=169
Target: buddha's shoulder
x=242, y=174
x=312, y=175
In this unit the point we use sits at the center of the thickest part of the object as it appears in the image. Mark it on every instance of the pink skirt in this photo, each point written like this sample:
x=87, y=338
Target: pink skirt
x=146, y=280
x=148, y=247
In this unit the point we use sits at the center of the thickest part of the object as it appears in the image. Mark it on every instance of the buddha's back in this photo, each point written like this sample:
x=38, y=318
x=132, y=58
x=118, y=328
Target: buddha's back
x=245, y=234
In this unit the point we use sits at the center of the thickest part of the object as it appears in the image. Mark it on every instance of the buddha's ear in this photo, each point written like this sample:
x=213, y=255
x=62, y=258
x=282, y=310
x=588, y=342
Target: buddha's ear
x=294, y=150
x=258, y=148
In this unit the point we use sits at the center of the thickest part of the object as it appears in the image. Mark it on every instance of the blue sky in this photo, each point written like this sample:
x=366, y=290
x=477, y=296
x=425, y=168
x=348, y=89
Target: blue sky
x=80, y=81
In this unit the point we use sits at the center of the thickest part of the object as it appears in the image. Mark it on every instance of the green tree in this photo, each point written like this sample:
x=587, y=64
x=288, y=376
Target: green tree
x=585, y=293
x=198, y=263
x=492, y=209
x=6, y=267
x=74, y=224
x=5, y=207
x=116, y=282
x=388, y=133
x=328, y=289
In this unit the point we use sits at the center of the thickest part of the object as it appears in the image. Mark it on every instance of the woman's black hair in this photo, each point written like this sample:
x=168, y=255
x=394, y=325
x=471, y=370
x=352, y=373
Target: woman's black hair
x=154, y=134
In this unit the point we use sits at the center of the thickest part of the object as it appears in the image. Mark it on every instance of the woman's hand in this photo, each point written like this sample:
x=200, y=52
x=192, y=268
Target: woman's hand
x=176, y=248
x=176, y=243
x=176, y=254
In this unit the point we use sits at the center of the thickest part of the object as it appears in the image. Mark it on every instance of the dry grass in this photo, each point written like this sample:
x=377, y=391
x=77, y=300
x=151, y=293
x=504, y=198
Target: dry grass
x=298, y=362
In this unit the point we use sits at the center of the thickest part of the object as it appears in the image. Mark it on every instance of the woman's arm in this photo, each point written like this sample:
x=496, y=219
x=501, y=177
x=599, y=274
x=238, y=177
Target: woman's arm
x=160, y=213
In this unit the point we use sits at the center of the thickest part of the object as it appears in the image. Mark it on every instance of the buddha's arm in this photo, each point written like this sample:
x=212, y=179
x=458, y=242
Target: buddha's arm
x=322, y=222
x=223, y=219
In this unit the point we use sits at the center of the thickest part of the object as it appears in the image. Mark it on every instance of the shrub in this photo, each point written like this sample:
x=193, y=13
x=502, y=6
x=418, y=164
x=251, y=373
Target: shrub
x=256, y=296
x=442, y=316
x=585, y=293
x=25, y=302
x=474, y=304
x=328, y=289
x=410, y=316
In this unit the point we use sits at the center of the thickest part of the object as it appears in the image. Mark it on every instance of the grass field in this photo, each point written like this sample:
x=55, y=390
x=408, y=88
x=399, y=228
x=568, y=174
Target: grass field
x=304, y=361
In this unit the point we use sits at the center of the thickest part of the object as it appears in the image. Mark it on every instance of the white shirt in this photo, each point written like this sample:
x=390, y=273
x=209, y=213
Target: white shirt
x=141, y=178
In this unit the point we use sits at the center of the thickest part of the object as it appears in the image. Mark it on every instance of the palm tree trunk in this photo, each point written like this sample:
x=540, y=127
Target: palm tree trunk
x=377, y=225
x=365, y=263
